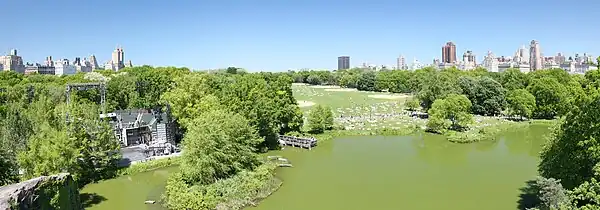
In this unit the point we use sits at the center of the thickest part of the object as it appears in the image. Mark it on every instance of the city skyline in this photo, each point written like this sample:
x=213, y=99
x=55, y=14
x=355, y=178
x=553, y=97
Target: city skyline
x=278, y=36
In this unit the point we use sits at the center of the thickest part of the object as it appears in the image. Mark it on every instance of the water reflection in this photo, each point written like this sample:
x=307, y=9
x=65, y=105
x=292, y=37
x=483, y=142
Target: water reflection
x=435, y=149
x=527, y=141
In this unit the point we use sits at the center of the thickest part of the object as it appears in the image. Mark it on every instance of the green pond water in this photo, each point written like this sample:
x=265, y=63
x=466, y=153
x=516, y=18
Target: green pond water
x=422, y=171
x=127, y=192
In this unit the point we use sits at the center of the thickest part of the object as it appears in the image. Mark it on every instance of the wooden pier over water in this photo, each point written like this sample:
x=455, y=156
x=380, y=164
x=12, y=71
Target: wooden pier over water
x=303, y=142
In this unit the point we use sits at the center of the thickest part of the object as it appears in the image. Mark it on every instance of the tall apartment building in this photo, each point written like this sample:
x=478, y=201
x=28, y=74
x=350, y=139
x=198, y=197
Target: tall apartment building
x=94, y=62
x=118, y=60
x=343, y=62
x=401, y=63
x=535, y=56
x=449, y=53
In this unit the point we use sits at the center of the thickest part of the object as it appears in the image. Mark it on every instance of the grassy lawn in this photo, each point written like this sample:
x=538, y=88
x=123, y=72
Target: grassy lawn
x=358, y=110
x=370, y=111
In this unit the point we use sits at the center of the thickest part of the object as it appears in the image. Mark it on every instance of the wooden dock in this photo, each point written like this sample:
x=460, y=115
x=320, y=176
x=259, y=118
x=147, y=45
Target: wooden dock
x=303, y=142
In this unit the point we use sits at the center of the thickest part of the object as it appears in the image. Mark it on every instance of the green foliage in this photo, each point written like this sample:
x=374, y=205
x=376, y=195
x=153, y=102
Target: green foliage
x=9, y=170
x=413, y=104
x=450, y=113
x=366, y=82
x=218, y=146
x=237, y=192
x=520, y=103
x=573, y=151
x=587, y=195
x=149, y=166
x=320, y=119
x=486, y=94
x=551, y=97
x=58, y=194
x=266, y=100
x=551, y=193
x=513, y=79
x=88, y=151
x=438, y=85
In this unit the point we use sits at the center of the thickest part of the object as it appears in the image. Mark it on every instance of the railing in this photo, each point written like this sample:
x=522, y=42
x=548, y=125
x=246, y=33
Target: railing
x=303, y=142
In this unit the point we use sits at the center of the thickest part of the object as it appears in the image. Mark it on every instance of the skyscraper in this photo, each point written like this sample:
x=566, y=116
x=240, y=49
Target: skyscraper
x=401, y=63
x=343, y=62
x=118, y=60
x=94, y=62
x=449, y=53
x=535, y=56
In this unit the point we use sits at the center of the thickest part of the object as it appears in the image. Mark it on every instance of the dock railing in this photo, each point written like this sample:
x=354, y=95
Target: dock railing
x=303, y=142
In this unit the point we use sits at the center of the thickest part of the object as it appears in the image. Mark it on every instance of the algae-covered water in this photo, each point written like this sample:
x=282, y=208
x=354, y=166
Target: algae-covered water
x=420, y=171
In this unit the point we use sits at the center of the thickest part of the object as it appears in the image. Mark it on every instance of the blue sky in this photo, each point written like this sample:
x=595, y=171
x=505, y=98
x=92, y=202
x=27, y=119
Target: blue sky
x=277, y=35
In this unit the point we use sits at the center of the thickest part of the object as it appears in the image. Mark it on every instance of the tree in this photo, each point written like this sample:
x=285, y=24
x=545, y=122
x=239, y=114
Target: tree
x=349, y=80
x=551, y=98
x=219, y=145
x=232, y=70
x=572, y=152
x=366, y=82
x=86, y=147
x=520, y=103
x=437, y=121
x=450, y=113
x=320, y=119
x=485, y=93
x=437, y=85
x=9, y=170
x=513, y=79
x=122, y=92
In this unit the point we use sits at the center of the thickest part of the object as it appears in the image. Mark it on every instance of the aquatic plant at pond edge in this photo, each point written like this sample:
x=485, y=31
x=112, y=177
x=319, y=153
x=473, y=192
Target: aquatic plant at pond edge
x=149, y=166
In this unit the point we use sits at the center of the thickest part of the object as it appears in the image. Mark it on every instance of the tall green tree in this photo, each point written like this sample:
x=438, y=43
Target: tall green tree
x=9, y=170
x=85, y=147
x=366, y=82
x=320, y=119
x=572, y=152
x=486, y=94
x=551, y=97
x=520, y=103
x=450, y=113
x=513, y=79
x=219, y=145
x=438, y=85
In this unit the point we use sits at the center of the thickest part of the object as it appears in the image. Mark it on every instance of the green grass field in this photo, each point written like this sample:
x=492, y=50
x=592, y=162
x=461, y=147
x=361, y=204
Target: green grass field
x=358, y=110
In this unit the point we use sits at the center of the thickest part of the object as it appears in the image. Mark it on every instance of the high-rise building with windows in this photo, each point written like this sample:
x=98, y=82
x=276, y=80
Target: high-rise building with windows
x=449, y=53
x=535, y=56
x=118, y=60
x=401, y=63
x=343, y=62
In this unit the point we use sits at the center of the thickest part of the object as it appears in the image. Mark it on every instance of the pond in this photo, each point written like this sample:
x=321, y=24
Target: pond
x=412, y=172
x=422, y=171
x=127, y=192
